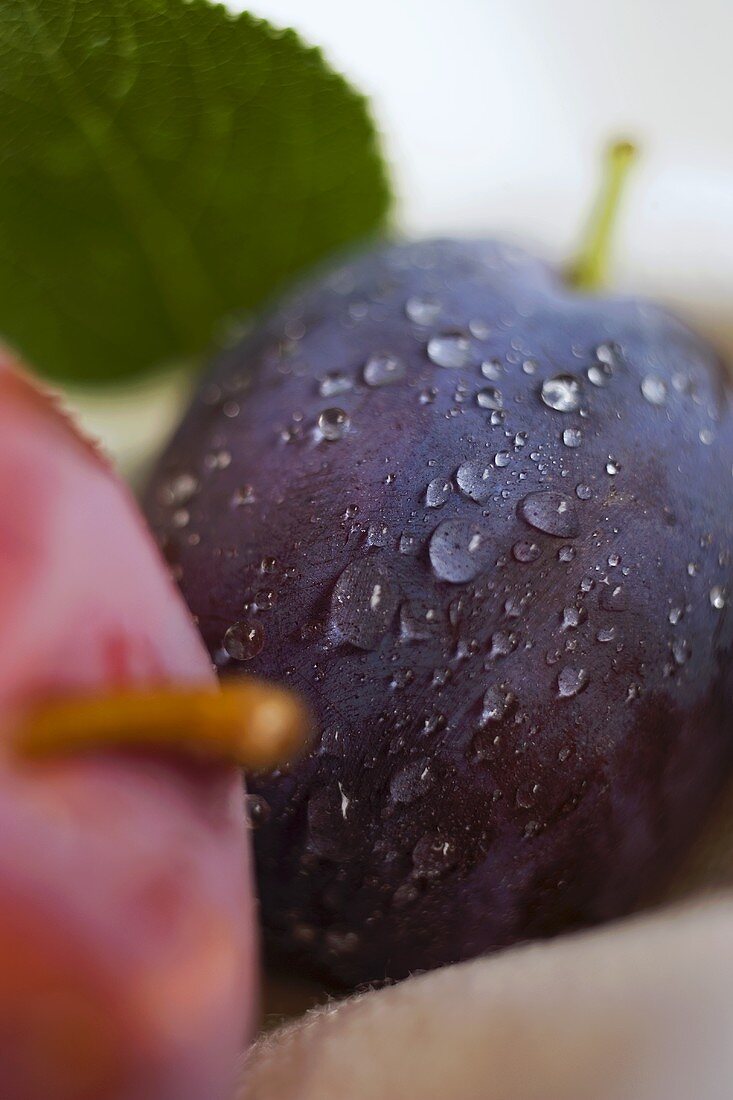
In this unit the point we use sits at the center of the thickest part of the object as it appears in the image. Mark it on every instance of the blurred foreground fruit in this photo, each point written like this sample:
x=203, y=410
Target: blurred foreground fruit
x=126, y=926
x=484, y=524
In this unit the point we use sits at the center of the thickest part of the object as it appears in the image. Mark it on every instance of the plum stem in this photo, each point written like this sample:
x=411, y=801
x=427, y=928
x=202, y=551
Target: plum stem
x=246, y=722
x=590, y=269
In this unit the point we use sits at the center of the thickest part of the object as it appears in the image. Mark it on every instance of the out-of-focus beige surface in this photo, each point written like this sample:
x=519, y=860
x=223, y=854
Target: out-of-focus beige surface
x=495, y=113
x=641, y=1010
x=133, y=420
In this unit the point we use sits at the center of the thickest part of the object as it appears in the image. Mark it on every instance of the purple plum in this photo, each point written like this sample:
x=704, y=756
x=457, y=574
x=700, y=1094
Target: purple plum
x=483, y=523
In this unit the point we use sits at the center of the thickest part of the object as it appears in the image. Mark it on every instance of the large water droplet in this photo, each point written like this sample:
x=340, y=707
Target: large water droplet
x=333, y=424
x=572, y=617
x=718, y=597
x=451, y=350
x=550, y=512
x=217, y=460
x=561, y=393
x=179, y=490
x=377, y=534
x=264, y=599
x=600, y=374
x=363, y=604
x=496, y=704
x=407, y=543
x=526, y=551
x=383, y=369
x=491, y=368
x=331, y=385
x=438, y=492
x=571, y=681
x=475, y=481
x=244, y=640
x=480, y=329
x=411, y=782
x=572, y=437
x=457, y=551
x=654, y=389
x=608, y=354
x=489, y=398
x=422, y=311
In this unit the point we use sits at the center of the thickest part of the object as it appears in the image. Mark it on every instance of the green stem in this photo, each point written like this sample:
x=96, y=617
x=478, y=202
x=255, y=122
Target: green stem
x=590, y=269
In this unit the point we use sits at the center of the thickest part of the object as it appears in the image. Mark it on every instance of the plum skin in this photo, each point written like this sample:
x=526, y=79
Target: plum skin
x=512, y=744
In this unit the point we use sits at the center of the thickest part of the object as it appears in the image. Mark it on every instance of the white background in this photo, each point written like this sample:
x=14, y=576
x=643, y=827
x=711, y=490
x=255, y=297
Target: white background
x=495, y=113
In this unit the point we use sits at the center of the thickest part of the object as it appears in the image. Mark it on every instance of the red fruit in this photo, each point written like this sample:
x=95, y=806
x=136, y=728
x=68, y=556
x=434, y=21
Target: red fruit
x=126, y=926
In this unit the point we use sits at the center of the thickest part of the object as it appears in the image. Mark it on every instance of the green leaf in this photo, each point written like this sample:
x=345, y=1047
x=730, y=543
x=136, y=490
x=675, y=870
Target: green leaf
x=164, y=163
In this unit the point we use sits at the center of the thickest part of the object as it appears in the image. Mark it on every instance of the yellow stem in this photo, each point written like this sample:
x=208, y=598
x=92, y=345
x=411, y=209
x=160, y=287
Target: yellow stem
x=590, y=269
x=246, y=722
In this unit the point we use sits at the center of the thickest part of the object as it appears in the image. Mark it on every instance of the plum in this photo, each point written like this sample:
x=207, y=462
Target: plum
x=483, y=523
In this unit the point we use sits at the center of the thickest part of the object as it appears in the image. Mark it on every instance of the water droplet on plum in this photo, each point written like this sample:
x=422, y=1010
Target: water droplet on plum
x=244, y=640
x=561, y=393
x=474, y=479
x=457, y=551
x=422, y=311
x=572, y=437
x=179, y=490
x=438, y=492
x=550, y=512
x=363, y=604
x=451, y=350
x=334, y=383
x=382, y=370
x=654, y=389
x=571, y=681
x=489, y=398
x=526, y=551
x=718, y=597
x=333, y=424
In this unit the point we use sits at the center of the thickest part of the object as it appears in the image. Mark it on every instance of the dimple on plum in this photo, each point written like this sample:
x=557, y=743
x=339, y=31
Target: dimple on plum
x=484, y=524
